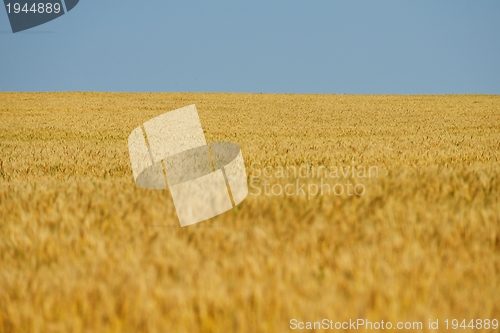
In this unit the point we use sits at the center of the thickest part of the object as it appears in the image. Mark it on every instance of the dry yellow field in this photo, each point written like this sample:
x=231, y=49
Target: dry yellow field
x=83, y=249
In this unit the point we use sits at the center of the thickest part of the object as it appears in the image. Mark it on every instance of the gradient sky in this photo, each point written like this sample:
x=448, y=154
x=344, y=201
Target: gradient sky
x=272, y=46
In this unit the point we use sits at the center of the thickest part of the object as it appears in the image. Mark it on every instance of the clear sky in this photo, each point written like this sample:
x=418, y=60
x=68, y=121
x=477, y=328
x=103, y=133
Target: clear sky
x=271, y=46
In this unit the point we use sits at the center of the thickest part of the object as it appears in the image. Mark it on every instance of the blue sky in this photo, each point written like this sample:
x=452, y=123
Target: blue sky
x=272, y=46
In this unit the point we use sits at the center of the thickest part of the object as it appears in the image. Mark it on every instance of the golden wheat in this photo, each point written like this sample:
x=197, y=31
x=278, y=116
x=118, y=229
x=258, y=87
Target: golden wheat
x=82, y=249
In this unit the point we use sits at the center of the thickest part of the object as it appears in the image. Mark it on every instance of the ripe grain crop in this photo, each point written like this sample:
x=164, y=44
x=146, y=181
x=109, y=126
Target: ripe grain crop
x=82, y=249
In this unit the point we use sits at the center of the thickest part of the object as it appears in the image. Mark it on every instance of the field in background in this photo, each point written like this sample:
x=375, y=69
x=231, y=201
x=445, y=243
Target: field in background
x=82, y=249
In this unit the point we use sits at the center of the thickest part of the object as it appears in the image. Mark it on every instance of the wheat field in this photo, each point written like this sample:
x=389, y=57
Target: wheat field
x=83, y=249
